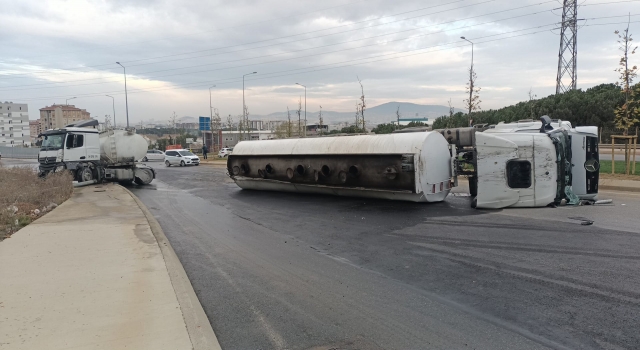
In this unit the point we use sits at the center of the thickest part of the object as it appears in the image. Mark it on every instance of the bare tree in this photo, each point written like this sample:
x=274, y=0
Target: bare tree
x=299, y=113
x=288, y=122
x=398, y=117
x=230, y=122
x=473, y=102
x=320, y=120
x=363, y=105
x=216, y=125
x=172, y=123
x=451, y=122
x=356, y=125
x=532, y=103
x=626, y=115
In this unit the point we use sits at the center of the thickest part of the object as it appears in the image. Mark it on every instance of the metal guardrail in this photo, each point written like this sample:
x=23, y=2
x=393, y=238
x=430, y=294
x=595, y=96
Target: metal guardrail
x=19, y=152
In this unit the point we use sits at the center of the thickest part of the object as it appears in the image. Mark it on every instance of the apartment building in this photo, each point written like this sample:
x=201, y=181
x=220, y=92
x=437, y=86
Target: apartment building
x=34, y=129
x=57, y=116
x=14, y=124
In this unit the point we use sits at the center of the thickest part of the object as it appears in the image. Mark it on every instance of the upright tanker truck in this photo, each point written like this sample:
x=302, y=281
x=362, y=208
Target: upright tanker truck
x=93, y=156
x=513, y=165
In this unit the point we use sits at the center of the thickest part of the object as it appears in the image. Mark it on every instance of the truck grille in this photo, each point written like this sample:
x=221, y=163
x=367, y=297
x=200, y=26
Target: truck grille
x=47, y=163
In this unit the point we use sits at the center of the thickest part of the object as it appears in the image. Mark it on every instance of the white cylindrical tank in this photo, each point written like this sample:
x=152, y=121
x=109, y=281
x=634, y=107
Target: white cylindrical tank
x=122, y=146
x=408, y=166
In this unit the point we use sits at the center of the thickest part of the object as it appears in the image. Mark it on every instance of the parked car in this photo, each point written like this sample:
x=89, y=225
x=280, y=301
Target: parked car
x=180, y=157
x=153, y=154
x=225, y=152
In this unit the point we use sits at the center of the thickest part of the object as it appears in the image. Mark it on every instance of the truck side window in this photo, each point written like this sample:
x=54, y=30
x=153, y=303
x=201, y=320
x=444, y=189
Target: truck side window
x=74, y=141
x=519, y=173
x=69, y=143
x=79, y=141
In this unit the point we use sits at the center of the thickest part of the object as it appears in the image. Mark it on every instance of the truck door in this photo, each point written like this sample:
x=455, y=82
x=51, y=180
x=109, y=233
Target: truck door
x=74, y=148
x=494, y=154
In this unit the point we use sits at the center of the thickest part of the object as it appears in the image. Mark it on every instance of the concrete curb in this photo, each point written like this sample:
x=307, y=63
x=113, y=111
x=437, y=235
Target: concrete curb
x=198, y=326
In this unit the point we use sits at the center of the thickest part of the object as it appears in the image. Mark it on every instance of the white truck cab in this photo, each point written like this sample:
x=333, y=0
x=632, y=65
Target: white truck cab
x=585, y=159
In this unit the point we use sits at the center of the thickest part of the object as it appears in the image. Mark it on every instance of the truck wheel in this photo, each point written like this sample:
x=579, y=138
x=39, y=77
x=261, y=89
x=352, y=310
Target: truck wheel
x=182, y=163
x=143, y=176
x=84, y=174
x=166, y=162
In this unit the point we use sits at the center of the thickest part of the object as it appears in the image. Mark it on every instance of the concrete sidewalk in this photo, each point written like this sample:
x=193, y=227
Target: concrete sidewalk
x=97, y=273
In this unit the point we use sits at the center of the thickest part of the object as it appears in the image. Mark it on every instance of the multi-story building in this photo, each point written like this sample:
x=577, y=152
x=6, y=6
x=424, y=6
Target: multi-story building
x=34, y=129
x=14, y=124
x=57, y=116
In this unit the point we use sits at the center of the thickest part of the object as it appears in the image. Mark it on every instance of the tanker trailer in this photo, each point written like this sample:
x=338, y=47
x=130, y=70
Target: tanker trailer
x=95, y=156
x=413, y=167
x=518, y=169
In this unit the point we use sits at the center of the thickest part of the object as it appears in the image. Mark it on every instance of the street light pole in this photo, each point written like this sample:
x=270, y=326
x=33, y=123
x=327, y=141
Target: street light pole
x=305, y=108
x=211, y=113
x=470, y=80
x=244, y=107
x=126, y=98
x=113, y=103
x=66, y=102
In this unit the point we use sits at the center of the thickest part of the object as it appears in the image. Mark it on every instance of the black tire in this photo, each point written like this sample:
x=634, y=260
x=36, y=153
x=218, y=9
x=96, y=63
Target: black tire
x=473, y=186
x=167, y=164
x=182, y=163
x=85, y=174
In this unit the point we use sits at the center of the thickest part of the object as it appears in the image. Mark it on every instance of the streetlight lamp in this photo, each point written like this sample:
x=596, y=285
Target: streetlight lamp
x=113, y=103
x=244, y=107
x=470, y=80
x=66, y=102
x=305, y=108
x=126, y=99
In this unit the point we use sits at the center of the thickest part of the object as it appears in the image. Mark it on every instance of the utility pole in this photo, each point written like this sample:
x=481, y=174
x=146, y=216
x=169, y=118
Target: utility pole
x=204, y=139
x=568, y=54
x=126, y=95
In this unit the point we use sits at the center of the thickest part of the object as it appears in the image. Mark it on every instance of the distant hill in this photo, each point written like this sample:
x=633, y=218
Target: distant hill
x=383, y=113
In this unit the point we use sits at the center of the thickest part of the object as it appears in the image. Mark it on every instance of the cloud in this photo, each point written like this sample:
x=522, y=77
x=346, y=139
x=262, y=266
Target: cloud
x=175, y=50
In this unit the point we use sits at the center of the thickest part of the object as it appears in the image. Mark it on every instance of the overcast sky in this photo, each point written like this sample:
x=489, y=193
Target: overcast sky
x=402, y=50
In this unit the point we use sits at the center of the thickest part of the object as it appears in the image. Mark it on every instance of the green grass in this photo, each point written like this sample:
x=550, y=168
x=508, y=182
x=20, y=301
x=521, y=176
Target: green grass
x=605, y=167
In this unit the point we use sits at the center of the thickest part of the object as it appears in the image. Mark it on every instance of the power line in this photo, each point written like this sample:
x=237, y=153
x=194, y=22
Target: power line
x=235, y=80
x=292, y=35
x=312, y=48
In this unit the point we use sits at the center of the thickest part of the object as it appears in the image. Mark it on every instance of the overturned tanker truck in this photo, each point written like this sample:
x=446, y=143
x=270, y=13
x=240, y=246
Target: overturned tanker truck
x=510, y=166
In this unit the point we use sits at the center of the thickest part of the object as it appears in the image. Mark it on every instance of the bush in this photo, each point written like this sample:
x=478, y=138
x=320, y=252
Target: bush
x=24, y=196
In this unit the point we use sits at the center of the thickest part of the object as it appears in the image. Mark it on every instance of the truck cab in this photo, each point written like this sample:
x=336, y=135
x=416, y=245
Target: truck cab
x=585, y=158
x=67, y=148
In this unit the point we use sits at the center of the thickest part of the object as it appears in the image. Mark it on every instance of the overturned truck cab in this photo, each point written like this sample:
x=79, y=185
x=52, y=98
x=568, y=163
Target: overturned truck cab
x=506, y=169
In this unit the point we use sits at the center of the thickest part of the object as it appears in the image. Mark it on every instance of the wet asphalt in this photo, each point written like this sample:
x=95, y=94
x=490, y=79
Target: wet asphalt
x=294, y=271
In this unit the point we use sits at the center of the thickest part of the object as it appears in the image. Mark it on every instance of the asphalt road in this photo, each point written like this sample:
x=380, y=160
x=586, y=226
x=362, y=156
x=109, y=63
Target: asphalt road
x=288, y=271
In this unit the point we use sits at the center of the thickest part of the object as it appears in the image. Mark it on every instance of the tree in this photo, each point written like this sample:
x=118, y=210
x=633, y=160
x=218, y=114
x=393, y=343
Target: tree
x=320, y=120
x=299, y=113
x=532, y=104
x=172, y=123
x=397, y=117
x=473, y=101
x=626, y=115
x=363, y=106
x=216, y=125
x=289, y=126
x=229, y=122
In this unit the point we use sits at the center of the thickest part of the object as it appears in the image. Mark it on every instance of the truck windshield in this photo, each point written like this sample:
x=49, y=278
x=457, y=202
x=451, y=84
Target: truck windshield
x=186, y=153
x=52, y=142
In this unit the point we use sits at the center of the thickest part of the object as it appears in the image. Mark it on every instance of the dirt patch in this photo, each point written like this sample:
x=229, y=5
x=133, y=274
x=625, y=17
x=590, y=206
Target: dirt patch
x=24, y=196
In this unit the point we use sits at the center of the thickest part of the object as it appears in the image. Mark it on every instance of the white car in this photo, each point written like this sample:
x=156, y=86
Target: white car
x=180, y=157
x=225, y=152
x=153, y=154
